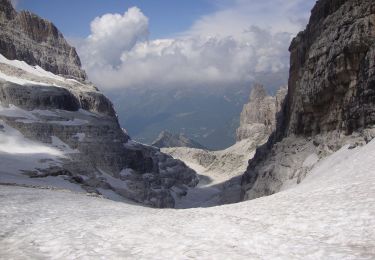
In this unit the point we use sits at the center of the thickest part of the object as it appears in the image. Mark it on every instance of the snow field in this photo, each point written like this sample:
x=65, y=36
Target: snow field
x=331, y=215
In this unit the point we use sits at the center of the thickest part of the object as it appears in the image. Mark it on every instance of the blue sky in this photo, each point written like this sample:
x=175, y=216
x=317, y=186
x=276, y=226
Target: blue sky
x=73, y=17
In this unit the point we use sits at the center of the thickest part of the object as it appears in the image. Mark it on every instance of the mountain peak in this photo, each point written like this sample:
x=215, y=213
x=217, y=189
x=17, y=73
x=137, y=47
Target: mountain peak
x=258, y=92
x=27, y=37
x=258, y=117
x=167, y=139
x=6, y=10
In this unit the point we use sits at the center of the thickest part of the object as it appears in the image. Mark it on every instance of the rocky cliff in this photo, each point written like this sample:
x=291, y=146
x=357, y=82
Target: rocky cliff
x=332, y=75
x=72, y=121
x=258, y=117
x=25, y=36
x=166, y=140
x=331, y=96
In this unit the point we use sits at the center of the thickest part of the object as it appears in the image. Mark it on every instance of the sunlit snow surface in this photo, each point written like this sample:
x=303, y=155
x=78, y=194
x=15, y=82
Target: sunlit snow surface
x=19, y=72
x=331, y=215
x=34, y=70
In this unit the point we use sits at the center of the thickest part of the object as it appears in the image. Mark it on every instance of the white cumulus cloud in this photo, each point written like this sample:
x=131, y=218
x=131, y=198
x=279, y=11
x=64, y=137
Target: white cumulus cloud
x=231, y=46
x=234, y=16
x=112, y=34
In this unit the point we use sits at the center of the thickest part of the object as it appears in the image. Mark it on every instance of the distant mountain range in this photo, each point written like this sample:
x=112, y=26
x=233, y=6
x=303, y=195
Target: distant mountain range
x=209, y=117
x=167, y=139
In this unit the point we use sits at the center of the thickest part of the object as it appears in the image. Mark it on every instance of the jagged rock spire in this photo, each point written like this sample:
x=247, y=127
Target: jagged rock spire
x=258, y=117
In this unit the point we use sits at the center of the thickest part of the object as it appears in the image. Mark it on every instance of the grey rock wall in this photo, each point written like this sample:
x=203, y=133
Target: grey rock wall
x=330, y=100
x=332, y=75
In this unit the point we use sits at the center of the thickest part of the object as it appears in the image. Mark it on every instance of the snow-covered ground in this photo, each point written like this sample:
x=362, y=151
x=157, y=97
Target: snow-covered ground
x=19, y=72
x=36, y=70
x=330, y=215
x=26, y=68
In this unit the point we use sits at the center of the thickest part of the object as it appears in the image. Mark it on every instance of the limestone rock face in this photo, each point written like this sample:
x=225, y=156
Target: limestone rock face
x=167, y=140
x=330, y=100
x=332, y=75
x=259, y=115
x=73, y=118
x=25, y=36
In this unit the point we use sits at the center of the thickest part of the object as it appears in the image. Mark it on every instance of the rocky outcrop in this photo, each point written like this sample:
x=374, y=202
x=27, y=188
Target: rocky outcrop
x=331, y=96
x=258, y=117
x=75, y=119
x=166, y=140
x=25, y=36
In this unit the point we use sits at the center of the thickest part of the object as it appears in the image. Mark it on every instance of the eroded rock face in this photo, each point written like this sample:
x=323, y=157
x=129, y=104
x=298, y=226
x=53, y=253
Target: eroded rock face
x=258, y=117
x=332, y=75
x=331, y=95
x=25, y=36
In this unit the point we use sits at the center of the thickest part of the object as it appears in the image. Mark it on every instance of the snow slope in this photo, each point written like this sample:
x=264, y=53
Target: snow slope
x=36, y=70
x=330, y=215
x=19, y=72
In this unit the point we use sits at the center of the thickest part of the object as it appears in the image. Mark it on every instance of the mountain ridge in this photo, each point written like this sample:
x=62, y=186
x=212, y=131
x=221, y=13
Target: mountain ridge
x=167, y=140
